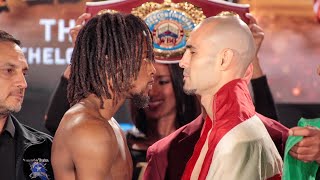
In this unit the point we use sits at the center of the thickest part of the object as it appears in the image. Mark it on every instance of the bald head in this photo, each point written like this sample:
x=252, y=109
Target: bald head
x=228, y=32
x=221, y=48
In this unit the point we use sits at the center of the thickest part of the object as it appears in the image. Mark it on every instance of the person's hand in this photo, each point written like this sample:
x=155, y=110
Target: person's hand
x=79, y=24
x=257, y=31
x=258, y=35
x=308, y=149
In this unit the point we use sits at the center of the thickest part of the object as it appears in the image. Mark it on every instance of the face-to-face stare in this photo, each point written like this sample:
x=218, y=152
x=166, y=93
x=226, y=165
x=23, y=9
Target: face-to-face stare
x=13, y=67
x=162, y=99
x=143, y=84
x=199, y=63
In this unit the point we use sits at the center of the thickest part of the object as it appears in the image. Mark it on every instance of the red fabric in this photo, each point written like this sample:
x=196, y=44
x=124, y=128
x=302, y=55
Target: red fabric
x=278, y=132
x=165, y=159
x=232, y=105
x=178, y=141
x=276, y=177
x=197, y=150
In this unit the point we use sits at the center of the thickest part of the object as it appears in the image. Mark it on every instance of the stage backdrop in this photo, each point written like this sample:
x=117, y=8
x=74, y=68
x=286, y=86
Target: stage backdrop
x=289, y=55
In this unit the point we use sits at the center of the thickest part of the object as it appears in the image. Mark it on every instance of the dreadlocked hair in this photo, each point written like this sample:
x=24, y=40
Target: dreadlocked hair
x=109, y=46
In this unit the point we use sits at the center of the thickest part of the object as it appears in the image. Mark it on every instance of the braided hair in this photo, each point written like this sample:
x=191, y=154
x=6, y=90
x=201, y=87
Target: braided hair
x=110, y=46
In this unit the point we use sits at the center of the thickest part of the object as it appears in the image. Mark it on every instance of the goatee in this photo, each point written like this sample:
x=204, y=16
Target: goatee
x=140, y=100
x=190, y=91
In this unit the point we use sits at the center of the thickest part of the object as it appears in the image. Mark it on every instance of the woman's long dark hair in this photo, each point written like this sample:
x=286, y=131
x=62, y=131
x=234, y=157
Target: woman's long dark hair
x=187, y=106
x=109, y=46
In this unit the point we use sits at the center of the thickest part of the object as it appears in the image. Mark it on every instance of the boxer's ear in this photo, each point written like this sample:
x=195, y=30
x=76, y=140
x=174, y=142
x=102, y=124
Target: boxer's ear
x=226, y=57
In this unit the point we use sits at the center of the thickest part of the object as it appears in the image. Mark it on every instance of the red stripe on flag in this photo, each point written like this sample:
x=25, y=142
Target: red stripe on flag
x=197, y=150
x=275, y=177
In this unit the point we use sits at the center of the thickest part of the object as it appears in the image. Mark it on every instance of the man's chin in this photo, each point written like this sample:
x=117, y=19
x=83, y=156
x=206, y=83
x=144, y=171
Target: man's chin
x=15, y=109
x=9, y=110
x=140, y=100
x=189, y=91
x=14, y=105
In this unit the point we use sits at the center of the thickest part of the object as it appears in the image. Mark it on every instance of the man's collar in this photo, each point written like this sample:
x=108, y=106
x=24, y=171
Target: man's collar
x=9, y=126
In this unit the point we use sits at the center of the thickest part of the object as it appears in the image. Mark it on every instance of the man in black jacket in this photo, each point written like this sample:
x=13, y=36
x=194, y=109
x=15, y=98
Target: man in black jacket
x=24, y=152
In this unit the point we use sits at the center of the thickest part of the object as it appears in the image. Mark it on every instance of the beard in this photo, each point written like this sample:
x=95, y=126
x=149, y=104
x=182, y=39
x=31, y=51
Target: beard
x=15, y=109
x=6, y=110
x=140, y=100
x=188, y=91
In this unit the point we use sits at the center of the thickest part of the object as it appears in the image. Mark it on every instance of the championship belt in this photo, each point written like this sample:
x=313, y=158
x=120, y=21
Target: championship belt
x=169, y=21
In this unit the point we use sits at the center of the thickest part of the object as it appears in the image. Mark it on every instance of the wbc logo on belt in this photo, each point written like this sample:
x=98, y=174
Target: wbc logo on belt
x=167, y=34
x=170, y=24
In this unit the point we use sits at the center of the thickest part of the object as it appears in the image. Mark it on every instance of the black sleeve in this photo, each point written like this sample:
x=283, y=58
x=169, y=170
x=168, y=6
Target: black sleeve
x=263, y=98
x=58, y=105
